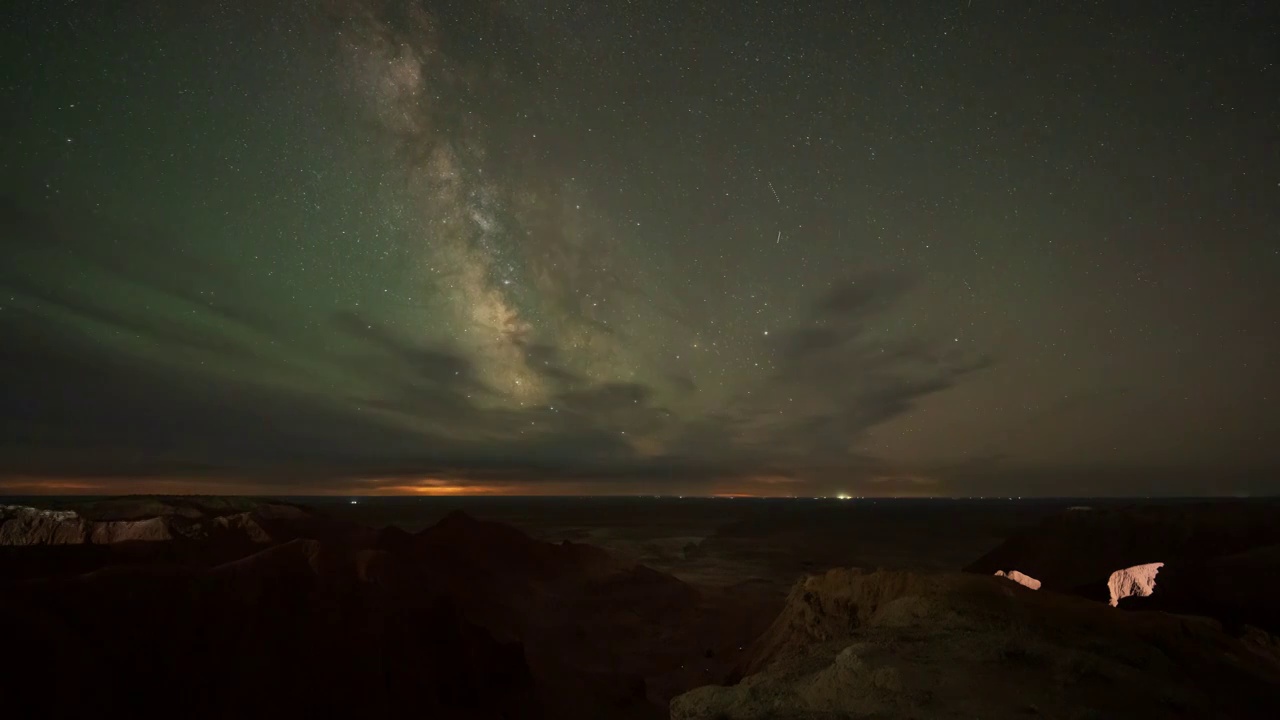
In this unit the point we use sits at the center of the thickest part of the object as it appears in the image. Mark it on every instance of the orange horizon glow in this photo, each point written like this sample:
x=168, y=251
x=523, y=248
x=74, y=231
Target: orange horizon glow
x=133, y=486
x=431, y=487
x=364, y=487
x=447, y=490
x=766, y=486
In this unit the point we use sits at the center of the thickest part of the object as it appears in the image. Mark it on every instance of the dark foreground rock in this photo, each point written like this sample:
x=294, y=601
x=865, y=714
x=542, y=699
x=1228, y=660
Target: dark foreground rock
x=466, y=619
x=902, y=645
x=600, y=635
x=298, y=630
x=208, y=608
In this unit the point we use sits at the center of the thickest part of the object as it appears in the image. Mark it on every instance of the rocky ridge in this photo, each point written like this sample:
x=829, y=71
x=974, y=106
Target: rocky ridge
x=903, y=645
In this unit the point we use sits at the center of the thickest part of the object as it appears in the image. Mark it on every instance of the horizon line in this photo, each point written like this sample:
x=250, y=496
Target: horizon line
x=635, y=496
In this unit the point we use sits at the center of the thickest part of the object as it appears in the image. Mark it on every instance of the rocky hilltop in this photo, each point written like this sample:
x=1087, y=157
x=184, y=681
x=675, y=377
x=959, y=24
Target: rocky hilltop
x=902, y=645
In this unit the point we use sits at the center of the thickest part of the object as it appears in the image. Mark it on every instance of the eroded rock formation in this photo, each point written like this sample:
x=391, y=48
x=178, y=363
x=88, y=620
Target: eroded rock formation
x=1024, y=580
x=895, y=644
x=1139, y=580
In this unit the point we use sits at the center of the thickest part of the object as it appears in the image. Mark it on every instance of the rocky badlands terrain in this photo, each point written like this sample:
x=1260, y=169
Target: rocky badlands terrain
x=210, y=607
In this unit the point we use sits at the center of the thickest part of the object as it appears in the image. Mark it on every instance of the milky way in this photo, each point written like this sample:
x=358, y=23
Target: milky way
x=403, y=79
x=508, y=284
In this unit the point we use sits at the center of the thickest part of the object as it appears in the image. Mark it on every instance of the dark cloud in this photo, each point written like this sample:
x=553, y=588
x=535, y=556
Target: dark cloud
x=103, y=387
x=78, y=269
x=837, y=378
x=1021, y=479
x=861, y=297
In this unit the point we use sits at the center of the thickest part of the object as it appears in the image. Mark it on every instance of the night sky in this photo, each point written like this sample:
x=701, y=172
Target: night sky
x=882, y=248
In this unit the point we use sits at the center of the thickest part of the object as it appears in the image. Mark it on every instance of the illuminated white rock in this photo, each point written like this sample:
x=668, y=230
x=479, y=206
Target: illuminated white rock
x=1020, y=578
x=1138, y=580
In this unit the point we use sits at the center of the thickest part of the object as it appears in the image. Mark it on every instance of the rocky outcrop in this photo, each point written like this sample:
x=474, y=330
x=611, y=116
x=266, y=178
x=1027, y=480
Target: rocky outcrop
x=1024, y=580
x=1139, y=580
x=895, y=644
x=20, y=525
x=146, y=530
